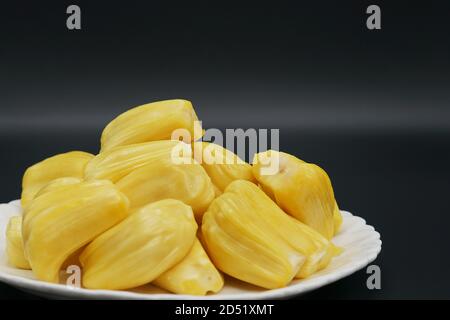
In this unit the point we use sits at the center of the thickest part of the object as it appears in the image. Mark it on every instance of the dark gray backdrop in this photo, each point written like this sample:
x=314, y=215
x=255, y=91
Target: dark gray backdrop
x=371, y=107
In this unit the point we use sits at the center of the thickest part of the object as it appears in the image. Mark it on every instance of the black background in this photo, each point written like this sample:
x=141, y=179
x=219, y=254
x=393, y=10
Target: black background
x=371, y=107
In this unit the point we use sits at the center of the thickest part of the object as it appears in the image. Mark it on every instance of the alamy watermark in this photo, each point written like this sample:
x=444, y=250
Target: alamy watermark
x=373, y=22
x=73, y=21
x=244, y=143
x=374, y=280
x=74, y=278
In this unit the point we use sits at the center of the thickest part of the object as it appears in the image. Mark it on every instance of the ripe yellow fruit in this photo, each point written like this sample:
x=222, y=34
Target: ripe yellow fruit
x=195, y=274
x=142, y=247
x=116, y=163
x=128, y=215
x=56, y=184
x=14, y=243
x=57, y=223
x=301, y=189
x=305, y=240
x=70, y=164
x=222, y=165
x=337, y=218
x=160, y=180
x=251, y=240
x=151, y=122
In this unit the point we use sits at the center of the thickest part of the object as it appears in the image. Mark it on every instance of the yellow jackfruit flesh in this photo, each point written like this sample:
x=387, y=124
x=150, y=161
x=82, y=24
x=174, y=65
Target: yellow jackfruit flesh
x=160, y=180
x=337, y=219
x=15, y=249
x=73, y=259
x=217, y=191
x=244, y=245
x=305, y=240
x=116, y=163
x=301, y=189
x=70, y=164
x=151, y=122
x=56, y=184
x=222, y=165
x=58, y=223
x=14, y=243
x=142, y=247
x=195, y=274
x=128, y=216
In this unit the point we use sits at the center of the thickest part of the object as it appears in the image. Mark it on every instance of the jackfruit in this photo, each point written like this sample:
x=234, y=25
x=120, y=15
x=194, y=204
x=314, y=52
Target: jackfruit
x=73, y=259
x=56, y=184
x=161, y=180
x=301, y=189
x=57, y=223
x=222, y=165
x=337, y=219
x=151, y=122
x=116, y=163
x=69, y=164
x=142, y=247
x=316, y=248
x=14, y=243
x=195, y=274
x=244, y=245
x=217, y=191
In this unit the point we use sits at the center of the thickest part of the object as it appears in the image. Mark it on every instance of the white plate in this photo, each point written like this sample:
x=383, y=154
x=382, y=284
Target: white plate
x=360, y=241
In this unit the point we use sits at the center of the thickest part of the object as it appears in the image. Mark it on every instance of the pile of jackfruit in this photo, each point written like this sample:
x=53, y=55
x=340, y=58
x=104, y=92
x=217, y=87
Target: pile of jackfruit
x=131, y=215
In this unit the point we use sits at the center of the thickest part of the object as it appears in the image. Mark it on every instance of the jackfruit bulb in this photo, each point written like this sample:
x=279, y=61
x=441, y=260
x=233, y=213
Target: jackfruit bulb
x=140, y=248
x=117, y=162
x=229, y=245
x=301, y=189
x=151, y=122
x=222, y=165
x=160, y=180
x=14, y=244
x=195, y=274
x=58, y=223
x=69, y=164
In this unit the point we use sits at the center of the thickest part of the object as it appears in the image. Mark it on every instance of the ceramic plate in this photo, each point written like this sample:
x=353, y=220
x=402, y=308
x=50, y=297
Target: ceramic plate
x=360, y=241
